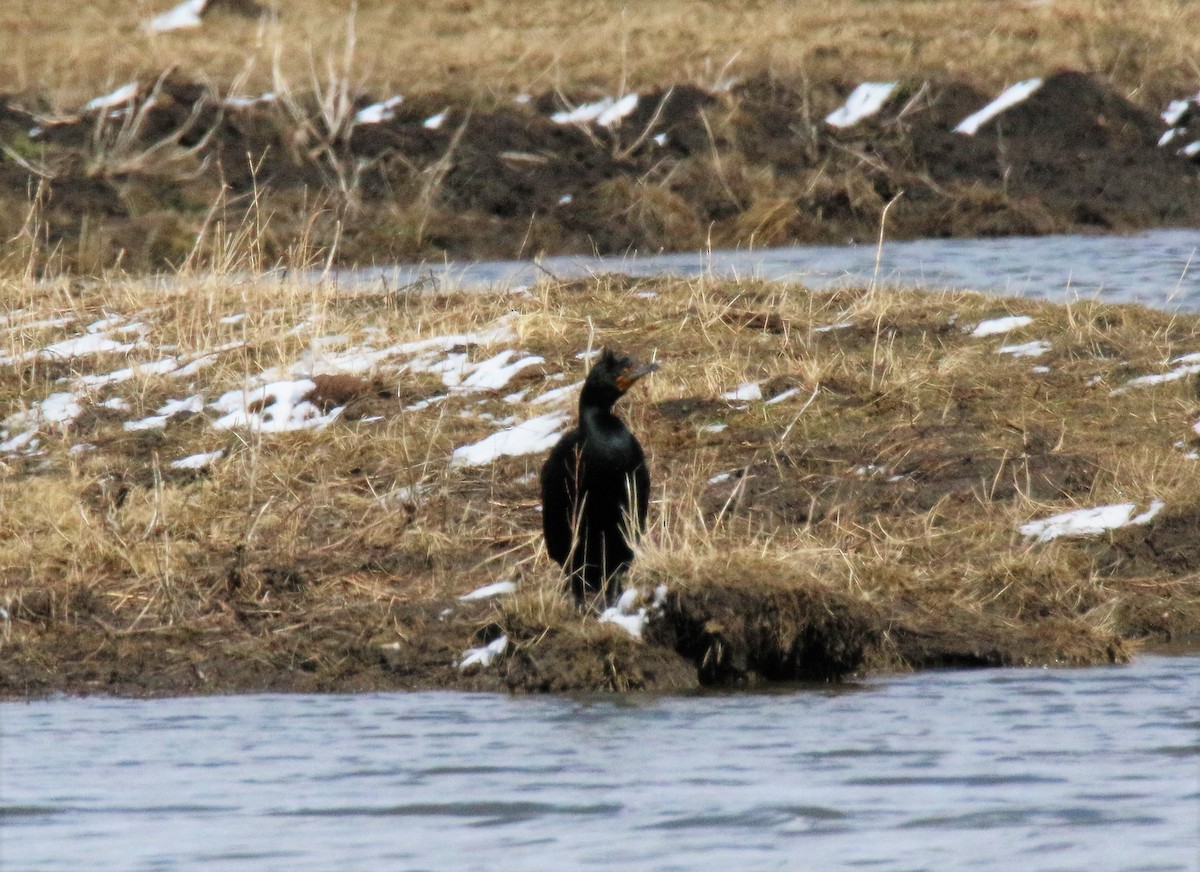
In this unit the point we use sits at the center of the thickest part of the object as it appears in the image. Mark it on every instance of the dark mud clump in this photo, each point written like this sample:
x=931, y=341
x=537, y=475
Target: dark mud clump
x=135, y=184
x=738, y=634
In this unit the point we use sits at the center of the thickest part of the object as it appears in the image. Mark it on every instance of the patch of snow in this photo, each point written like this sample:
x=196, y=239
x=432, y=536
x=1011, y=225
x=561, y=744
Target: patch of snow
x=495, y=372
x=498, y=588
x=186, y=14
x=863, y=102
x=43, y=324
x=993, y=326
x=632, y=617
x=233, y=319
x=660, y=139
x=747, y=391
x=722, y=476
x=20, y=442
x=80, y=346
x=1036, y=348
x=1175, y=111
x=117, y=404
x=483, y=657
x=434, y=122
x=786, y=395
x=840, y=325
x=714, y=428
x=523, y=99
x=1168, y=136
x=58, y=409
x=1089, y=522
x=81, y=448
x=242, y=102
x=377, y=113
x=646, y=295
x=168, y=409
x=198, y=461
x=1010, y=97
x=530, y=437
x=1160, y=377
x=565, y=199
x=119, y=97
x=156, y=367
x=425, y=403
x=606, y=112
x=557, y=395
x=1191, y=149
x=277, y=407
x=1041, y=370
x=618, y=110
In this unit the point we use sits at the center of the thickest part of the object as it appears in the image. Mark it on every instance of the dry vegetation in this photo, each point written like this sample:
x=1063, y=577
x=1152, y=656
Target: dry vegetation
x=489, y=47
x=869, y=520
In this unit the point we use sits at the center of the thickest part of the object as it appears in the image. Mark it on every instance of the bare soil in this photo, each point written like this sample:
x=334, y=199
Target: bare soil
x=177, y=175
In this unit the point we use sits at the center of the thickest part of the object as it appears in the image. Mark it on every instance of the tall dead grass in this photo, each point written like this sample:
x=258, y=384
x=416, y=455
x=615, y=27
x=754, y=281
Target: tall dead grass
x=490, y=47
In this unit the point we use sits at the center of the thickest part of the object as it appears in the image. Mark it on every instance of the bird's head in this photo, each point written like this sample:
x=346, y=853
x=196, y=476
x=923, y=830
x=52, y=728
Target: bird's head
x=610, y=377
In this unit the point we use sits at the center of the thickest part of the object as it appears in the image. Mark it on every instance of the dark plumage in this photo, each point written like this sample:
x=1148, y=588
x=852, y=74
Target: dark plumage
x=588, y=483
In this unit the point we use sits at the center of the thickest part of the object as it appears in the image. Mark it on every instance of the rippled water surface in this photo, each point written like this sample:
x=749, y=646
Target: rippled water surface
x=1159, y=268
x=1095, y=769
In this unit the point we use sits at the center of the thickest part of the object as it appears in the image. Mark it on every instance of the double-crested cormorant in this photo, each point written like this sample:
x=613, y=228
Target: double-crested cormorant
x=590, y=480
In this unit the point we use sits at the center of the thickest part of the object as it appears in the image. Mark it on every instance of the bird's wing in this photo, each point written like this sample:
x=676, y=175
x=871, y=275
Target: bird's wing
x=641, y=484
x=558, y=497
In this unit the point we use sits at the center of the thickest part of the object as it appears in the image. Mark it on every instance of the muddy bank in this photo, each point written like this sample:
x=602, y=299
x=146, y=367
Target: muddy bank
x=169, y=172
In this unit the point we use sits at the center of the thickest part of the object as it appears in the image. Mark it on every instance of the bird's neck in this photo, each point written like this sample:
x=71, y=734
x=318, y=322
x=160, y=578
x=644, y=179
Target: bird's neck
x=597, y=420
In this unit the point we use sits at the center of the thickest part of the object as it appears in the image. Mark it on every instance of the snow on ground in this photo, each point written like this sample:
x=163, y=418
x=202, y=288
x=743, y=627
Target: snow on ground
x=1011, y=97
x=112, y=100
x=377, y=113
x=198, y=461
x=483, y=657
x=186, y=14
x=995, y=326
x=630, y=615
x=498, y=588
x=166, y=412
x=605, y=112
x=1036, y=348
x=434, y=122
x=1089, y=522
x=747, y=391
x=496, y=372
x=1189, y=364
x=532, y=436
x=786, y=395
x=273, y=408
x=863, y=102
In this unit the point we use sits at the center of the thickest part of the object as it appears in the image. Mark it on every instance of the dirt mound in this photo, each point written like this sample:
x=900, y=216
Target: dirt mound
x=449, y=173
x=774, y=631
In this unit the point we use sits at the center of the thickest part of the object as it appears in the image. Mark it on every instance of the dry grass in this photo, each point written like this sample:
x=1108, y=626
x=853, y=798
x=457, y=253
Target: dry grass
x=895, y=477
x=490, y=47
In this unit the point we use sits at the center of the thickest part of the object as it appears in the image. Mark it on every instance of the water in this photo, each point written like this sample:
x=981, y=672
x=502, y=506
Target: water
x=1095, y=769
x=1159, y=268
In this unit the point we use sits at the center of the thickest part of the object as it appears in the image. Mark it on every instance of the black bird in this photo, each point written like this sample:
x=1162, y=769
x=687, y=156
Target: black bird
x=588, y=482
